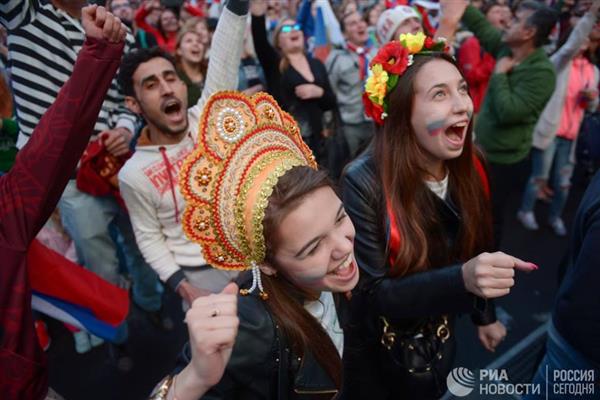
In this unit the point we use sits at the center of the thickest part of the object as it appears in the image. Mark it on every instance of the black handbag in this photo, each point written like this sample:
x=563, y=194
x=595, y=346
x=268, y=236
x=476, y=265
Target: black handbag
x=418, y=359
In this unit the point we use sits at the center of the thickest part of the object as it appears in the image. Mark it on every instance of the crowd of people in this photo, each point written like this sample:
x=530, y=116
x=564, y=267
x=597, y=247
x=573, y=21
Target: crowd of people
x=348, y=164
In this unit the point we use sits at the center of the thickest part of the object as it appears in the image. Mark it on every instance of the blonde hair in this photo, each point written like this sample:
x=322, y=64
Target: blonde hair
x=188, y=27
x=185, y=29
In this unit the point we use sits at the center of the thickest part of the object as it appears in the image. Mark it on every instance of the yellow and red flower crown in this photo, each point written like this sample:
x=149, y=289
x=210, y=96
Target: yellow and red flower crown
x=389, y=64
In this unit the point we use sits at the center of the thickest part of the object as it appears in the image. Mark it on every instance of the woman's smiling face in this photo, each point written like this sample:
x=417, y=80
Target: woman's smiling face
x=316, y=245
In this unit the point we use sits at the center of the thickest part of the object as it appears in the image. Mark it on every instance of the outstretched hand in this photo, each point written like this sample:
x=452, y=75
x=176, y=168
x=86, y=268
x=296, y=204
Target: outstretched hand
x=491, y=275
x=101, y=24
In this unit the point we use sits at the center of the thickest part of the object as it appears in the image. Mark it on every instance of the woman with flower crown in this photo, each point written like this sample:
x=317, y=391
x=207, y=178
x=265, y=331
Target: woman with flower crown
x=419, y=200
x=256, y=201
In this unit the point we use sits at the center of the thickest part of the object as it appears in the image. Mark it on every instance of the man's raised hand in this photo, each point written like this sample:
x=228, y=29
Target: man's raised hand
x=452, y=11
x=101, y=24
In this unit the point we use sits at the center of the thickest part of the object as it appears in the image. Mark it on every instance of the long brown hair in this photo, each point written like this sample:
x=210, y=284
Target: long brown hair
x=286, y=299
x=402, y=173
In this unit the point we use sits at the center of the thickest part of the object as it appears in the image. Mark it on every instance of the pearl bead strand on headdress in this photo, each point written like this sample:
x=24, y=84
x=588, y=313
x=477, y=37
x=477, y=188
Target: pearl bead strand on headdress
x=256, y=282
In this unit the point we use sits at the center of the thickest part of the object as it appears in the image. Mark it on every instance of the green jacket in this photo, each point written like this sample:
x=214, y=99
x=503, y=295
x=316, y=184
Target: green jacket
x=8, y=138
x=514, y=101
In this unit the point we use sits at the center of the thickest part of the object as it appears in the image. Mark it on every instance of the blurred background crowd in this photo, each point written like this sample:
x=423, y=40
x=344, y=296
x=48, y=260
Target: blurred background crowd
x=313, y=58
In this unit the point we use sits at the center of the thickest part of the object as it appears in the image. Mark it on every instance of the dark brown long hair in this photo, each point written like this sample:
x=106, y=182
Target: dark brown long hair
x=286, y=299
x=402, y=172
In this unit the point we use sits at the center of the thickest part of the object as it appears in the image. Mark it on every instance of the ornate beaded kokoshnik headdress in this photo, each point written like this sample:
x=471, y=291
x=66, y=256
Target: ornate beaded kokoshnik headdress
x=245, y=144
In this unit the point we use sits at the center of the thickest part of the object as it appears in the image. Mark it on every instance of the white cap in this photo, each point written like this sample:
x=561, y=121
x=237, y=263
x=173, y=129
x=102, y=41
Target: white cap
x=390, y=20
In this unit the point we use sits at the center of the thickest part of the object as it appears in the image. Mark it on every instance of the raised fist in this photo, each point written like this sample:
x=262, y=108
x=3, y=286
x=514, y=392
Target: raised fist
x=213, y=326
x=101, y=24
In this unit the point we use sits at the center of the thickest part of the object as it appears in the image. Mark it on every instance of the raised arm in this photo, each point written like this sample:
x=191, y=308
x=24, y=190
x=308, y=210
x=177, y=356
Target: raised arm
x=195, y=11
x=489, y=37
x=30, y=191
x=580, y=32
x=226, y=52
x=266, y=54
x=142, y=13
x=451, y=13
x=222, y=327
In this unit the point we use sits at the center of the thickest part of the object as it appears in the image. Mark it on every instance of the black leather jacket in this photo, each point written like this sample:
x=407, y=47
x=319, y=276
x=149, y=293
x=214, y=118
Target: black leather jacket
x=262, y=365
x=434, y=292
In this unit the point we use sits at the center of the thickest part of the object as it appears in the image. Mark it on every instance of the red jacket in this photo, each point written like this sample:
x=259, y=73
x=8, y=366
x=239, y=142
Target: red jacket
x=478, y=66
x=28, y=195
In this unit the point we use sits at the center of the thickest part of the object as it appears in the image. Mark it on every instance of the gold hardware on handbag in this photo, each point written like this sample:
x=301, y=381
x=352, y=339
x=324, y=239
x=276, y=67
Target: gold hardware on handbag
x=389, y=337
x=418, y=354
x=443, y=331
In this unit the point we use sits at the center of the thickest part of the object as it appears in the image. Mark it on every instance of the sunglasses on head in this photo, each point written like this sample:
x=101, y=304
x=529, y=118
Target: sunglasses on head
x=290, y=28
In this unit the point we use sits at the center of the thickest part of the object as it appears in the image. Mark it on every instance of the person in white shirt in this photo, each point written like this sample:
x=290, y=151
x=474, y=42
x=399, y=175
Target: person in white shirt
x=149, y=180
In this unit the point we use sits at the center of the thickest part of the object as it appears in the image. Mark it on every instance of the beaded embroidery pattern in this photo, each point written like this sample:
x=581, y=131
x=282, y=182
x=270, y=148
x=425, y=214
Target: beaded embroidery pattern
x=245, y=144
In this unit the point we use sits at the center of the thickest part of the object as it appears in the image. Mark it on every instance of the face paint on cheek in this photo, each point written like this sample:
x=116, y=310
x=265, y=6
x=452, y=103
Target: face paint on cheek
x=310, y=277
x=436, y=127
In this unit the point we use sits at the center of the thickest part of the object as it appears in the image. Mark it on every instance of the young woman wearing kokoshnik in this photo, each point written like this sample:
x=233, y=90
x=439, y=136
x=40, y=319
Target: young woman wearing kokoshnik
x=419, y=200
x=256, y=201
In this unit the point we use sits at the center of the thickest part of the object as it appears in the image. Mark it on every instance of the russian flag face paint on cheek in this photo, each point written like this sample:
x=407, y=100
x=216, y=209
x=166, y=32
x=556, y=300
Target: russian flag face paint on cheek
x=436, y=127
